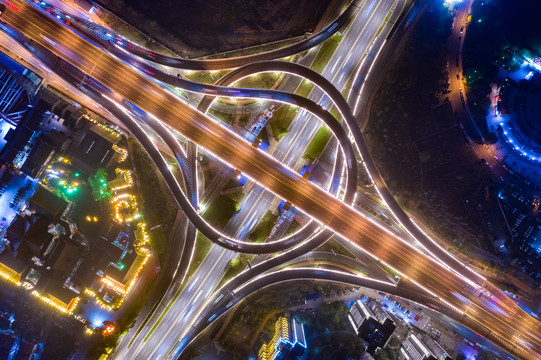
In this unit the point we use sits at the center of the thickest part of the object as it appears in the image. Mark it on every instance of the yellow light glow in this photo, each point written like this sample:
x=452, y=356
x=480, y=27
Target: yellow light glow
x=55, y=304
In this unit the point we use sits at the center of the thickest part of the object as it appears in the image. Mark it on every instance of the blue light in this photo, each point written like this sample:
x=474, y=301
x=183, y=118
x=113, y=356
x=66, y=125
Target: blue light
x=302, y=327
x=96, y=318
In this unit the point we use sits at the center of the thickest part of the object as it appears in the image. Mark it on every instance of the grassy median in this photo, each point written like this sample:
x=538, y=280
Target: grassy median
x=318, y=143
x=283, y=117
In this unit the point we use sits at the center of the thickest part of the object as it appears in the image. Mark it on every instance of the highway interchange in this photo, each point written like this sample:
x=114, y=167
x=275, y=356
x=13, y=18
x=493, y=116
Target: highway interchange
x=432, y=268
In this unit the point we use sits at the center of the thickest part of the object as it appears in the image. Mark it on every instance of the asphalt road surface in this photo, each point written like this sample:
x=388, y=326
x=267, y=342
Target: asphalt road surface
x=523, y=331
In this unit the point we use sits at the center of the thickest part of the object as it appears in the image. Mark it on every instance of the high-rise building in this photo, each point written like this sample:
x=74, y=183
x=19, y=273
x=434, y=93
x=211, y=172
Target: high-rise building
x=372, y=324
x=288, y=342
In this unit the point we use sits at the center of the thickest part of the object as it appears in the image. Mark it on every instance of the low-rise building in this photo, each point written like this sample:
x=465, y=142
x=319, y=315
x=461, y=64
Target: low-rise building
x=58, y=239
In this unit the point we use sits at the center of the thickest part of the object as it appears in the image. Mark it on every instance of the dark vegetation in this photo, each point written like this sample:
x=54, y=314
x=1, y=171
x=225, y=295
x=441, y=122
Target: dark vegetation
x=253, y=321
x=226, y=117
x=226, y=204
x=281, y=120
x=388, y=353
x=495, y=26
x=236, y=266
x=126, y=322
x=259, y=81
x=220, y=211
x=293, y=227
x=329, y=333
x=155, y=205
x=333, y=245
x=414, y=137
x=209, y=168
x=206, y=77
x=263, y=229
x=216, y=26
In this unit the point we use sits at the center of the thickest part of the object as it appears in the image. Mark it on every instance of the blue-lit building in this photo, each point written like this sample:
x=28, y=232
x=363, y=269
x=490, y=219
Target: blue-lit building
x=372, y=324
x=25, y=146
x=18, y=86
x=513, y=117
x=288, y=342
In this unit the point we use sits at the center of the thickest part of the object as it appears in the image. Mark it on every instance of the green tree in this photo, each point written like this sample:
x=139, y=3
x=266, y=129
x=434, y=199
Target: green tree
x=234, y=263
x=388, y=354
x=98, y=183
x=154, y=203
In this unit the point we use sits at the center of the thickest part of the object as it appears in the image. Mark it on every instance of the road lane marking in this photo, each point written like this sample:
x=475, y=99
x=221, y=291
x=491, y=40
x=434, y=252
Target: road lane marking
x=187, y=304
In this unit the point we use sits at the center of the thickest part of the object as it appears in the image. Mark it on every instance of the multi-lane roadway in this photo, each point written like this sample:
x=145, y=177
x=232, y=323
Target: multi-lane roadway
x=425, y=271
x=356, y=40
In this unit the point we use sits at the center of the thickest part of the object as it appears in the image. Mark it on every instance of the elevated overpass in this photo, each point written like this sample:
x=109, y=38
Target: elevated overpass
x=428, y=273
